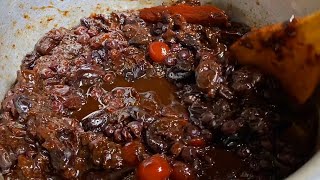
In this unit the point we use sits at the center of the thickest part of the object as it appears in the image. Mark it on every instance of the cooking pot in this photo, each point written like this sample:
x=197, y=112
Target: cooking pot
x=22, y=23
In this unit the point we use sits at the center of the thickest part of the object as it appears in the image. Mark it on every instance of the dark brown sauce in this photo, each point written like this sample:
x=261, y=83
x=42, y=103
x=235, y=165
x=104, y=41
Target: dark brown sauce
x=89, y=107
x=160, y=86
x=302, y=134
x=225, y=164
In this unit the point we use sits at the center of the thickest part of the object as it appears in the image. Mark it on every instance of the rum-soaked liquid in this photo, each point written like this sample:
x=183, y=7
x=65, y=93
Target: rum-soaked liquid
x=164, y=90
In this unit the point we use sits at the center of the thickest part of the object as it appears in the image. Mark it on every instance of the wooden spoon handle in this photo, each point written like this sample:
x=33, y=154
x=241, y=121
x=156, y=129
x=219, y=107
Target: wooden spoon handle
x=289, y=51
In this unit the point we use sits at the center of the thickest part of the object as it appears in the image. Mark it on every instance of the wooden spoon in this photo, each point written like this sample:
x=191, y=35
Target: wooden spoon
x=289, y=51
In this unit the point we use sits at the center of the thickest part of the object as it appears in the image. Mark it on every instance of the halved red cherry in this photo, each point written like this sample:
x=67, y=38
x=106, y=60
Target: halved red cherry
x=158, y=51
x=154, y=168
x=130, y=152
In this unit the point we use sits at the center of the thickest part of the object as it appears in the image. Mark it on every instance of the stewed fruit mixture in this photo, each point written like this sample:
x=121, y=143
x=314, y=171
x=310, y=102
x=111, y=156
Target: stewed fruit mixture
x=152, y=94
